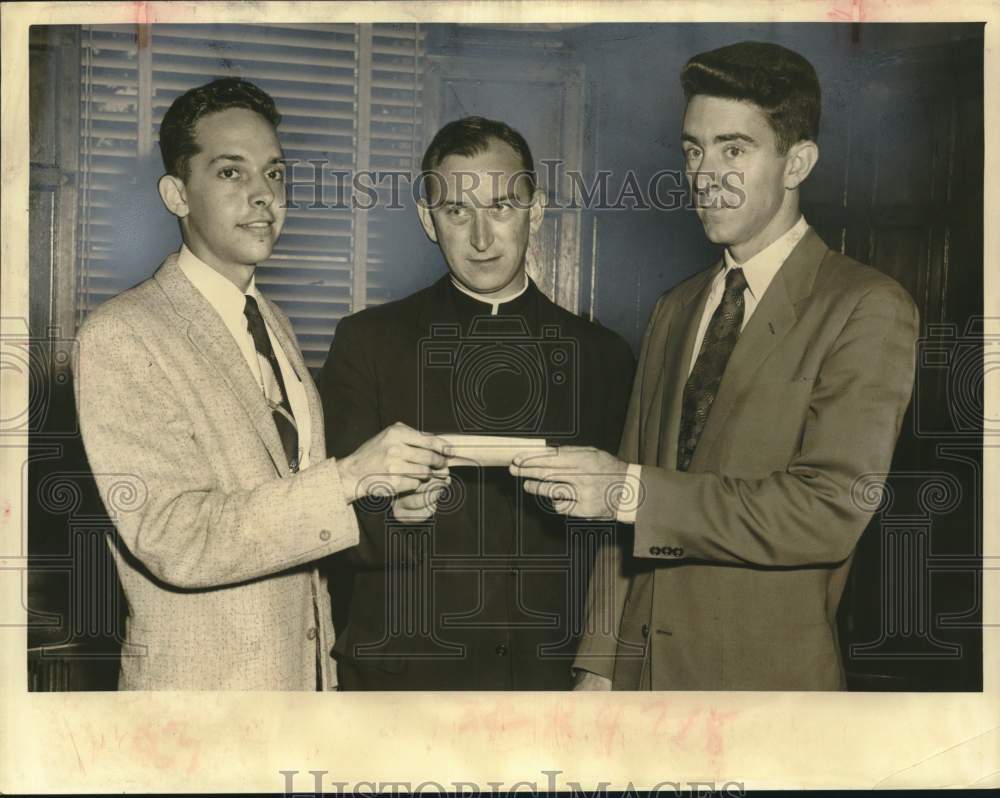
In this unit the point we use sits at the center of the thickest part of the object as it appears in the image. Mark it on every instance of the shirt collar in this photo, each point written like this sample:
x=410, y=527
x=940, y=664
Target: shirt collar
x=221, y=294
x=484, y=298
x=761, y=268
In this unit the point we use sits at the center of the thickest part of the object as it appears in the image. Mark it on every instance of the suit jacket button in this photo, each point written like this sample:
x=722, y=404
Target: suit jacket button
x=311, y=633
x=501, y=650
x=324, y=535
x=645, y=630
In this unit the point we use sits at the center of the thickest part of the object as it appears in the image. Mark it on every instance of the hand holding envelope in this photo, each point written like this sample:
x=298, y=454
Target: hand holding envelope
x=580, y=481
x=482, y=451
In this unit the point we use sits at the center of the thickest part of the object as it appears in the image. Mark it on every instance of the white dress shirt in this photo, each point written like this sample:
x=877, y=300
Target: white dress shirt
x=229, y=302
x=759, y=271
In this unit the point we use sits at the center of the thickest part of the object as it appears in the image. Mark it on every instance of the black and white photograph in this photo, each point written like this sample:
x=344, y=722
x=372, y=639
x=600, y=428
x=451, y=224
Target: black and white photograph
x=570, y=397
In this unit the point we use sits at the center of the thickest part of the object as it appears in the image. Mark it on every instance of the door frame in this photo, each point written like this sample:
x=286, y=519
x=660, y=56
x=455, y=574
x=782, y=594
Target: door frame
x=564, y=285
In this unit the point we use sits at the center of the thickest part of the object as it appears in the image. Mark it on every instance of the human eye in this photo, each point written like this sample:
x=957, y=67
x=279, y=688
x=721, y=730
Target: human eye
x=692, y=154
x=456, y=213
x=277, y=174
x=734, y=151
x=503, y=208
x=229, y=173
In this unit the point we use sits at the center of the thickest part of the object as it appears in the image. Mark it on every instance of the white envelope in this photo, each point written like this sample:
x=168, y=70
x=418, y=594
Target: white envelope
x=490, y=450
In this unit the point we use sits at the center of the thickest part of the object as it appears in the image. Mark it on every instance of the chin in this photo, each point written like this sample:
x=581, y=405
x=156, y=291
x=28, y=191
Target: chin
x=485, y=286
x=715, y=233
x=486, y=289
x=258, y=255
x=721, y=231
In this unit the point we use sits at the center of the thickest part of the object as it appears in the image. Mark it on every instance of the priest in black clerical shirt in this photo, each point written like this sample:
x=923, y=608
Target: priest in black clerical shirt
x=470, y=583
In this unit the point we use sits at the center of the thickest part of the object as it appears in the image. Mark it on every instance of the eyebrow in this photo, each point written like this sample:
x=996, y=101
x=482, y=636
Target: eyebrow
x=721, y=138
x=240, y=159
x=459, y=204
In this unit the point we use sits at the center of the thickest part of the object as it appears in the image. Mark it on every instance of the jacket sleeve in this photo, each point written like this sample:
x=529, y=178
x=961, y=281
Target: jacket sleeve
x=170, y=507
x=807, y=514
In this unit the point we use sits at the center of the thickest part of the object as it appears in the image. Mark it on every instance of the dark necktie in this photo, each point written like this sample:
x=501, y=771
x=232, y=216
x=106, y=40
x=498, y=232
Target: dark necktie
x=703, y=384
x=282, y=410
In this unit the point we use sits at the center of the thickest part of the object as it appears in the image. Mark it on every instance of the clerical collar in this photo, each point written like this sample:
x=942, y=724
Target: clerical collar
x=494, y=306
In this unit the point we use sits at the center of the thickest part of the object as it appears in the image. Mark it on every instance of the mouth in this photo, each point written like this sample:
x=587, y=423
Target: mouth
x=260, y=225
x=481, y=261
x=714, y=208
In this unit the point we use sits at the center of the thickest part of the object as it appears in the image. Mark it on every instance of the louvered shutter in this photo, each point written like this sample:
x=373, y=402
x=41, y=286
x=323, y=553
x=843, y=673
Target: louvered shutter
x=395, y=129
x=349, y=96
x=109, y=131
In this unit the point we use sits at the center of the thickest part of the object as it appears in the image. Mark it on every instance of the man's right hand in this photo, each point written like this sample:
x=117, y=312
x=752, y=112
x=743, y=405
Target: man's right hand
x=421, y=504
x=585, y=680
x=395, y=461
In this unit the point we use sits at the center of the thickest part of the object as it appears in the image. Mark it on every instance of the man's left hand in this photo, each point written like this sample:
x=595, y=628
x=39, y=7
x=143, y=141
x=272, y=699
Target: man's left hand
x=580, y=481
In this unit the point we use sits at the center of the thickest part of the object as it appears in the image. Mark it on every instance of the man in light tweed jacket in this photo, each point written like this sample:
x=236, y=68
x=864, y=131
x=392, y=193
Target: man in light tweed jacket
x=205, y=432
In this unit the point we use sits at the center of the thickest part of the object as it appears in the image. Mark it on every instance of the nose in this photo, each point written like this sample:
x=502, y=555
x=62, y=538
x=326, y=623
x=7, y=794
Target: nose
x=704, y=179
x=482, y=232
x=261, y=193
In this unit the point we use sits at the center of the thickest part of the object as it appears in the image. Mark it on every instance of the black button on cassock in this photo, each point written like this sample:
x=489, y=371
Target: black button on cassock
x=501, y=650
x=645, y=630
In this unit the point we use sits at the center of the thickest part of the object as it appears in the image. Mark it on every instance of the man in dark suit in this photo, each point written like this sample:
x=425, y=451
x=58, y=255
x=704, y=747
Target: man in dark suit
x=770, y=386
x=467, y=583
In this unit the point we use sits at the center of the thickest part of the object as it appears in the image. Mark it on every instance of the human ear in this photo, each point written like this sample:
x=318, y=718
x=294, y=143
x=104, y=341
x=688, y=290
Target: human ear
x=426, y=220
x=802, y=157
x=537, y=209
x=173, y=195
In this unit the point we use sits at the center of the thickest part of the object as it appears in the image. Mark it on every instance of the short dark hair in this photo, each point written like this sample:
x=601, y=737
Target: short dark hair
x=177, y=130
x=778, y=80
x=471, y=135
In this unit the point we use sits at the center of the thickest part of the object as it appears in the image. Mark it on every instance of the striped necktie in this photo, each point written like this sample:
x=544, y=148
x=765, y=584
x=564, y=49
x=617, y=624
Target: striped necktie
x=281, y=410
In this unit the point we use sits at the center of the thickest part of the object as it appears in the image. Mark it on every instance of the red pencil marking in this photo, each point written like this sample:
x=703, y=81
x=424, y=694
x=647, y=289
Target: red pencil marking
x=714, y=738
x=493, y=721
x=686, y=726
x=72, y=739
x=659, y=708
x=856, y=12
x=560, y=722
x=609, y=727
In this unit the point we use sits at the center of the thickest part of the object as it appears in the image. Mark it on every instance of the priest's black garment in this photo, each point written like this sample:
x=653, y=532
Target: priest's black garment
x=488, y=593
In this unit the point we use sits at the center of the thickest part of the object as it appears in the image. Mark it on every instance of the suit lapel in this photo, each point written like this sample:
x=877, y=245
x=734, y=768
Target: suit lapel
x=676, y=365
x=209, y=334
x=774, y=317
